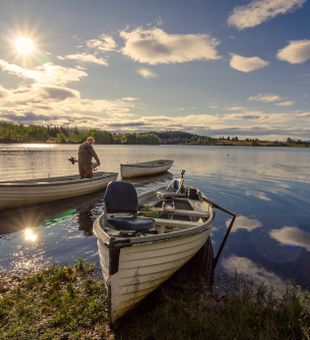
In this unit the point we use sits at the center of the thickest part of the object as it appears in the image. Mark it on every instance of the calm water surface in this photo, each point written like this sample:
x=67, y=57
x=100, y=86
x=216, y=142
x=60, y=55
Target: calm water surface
x=268, y=187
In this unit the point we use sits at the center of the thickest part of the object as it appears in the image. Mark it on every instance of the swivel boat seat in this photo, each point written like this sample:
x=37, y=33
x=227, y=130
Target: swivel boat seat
x=121, y=206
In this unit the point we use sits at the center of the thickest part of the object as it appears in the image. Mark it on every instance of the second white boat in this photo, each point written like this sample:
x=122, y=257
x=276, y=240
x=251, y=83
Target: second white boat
x=145, y=168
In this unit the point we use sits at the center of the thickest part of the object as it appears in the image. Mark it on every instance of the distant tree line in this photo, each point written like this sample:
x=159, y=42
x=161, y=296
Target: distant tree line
x=18, y=133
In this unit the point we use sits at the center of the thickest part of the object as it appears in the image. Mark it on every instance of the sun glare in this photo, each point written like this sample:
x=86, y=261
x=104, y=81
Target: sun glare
x=30, y=235
x=24, y=46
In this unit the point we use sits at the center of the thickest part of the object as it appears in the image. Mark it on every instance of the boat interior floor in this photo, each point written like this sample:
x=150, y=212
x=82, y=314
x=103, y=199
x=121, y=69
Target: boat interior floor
x=161, y=217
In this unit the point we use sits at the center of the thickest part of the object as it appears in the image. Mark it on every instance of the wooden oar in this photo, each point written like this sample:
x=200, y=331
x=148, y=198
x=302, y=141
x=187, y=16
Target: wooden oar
x=234, y=215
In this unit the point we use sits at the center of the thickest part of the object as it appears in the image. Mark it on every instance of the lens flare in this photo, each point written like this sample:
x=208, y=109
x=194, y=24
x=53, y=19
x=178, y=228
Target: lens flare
x=30, y=235
x=24, y=46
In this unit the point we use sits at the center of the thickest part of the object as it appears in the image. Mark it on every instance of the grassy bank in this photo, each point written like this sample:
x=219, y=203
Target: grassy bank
x=68, y=303
x=58, y=303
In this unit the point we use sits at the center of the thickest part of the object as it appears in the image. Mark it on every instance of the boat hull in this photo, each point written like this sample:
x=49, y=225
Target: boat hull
x=21, y=193
x=143, y=268
x=145, y=169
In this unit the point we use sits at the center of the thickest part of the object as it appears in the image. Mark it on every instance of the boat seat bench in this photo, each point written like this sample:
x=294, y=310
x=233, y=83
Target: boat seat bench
x=174, y=223
x=191, y=213
x=183, y=212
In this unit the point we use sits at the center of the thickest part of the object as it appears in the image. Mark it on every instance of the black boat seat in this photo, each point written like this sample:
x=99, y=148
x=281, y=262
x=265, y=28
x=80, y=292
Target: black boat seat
x=134, y=223
x=121, y=197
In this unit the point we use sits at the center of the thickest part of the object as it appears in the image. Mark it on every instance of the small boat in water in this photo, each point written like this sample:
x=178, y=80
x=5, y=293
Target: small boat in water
x=143, y=241
x=145, y=168
x=33, y=191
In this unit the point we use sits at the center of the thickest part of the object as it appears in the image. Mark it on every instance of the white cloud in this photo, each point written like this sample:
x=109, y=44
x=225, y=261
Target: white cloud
x=155, y=46
x=292, y=236
x=45, y=74
x=86, y=58
x=104, y=43
x=236, y=108
x=247, y=64
x=129, y=99
x=296, y=52
x=271, y=98
x=39, y=103
x=243, y=222
x=259, y=11
x=146, y=73
x=265, y=98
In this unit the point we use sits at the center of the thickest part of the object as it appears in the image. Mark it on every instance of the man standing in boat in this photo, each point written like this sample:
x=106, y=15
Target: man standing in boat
x=85, y=155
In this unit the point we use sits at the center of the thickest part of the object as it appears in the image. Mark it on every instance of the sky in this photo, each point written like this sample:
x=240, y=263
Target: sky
x=217, y=68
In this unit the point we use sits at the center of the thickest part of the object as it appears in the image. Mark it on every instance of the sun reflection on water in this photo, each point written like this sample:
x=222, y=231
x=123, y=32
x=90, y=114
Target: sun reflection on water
x=30, y=235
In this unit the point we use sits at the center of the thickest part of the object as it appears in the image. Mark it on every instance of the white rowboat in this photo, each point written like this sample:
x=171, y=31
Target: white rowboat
x=26, y=192
x=145, y=168
x=138, y=253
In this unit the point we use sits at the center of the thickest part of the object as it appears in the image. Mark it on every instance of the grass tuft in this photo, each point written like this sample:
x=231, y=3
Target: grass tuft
x=58, y=303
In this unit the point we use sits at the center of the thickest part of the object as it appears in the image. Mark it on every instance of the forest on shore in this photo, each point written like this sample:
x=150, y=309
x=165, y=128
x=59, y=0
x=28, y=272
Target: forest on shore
x=19, y=133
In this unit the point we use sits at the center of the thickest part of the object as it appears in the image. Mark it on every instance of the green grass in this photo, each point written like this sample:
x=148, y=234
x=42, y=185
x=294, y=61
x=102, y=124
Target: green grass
x=57, y=303
x=69, y=303
x=190, y=311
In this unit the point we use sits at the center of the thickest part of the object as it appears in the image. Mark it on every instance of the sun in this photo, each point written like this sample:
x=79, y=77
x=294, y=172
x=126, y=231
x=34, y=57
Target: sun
x=24, y=46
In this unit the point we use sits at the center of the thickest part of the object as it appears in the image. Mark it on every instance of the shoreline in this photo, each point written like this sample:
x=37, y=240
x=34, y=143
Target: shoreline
x=240, y=143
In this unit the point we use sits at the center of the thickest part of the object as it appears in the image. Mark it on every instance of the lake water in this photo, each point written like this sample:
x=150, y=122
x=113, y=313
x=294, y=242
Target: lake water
x=268, y=187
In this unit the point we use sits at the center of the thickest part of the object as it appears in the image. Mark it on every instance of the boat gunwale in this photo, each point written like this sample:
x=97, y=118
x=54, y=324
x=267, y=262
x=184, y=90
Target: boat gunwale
x=43, y=182
x=150, y=164
x=111, y=241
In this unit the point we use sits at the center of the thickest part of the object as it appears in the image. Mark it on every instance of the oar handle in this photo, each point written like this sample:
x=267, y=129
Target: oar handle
x=215, y=205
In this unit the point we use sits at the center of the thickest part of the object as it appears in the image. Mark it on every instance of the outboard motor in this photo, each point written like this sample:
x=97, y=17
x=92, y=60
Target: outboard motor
x=177, y=184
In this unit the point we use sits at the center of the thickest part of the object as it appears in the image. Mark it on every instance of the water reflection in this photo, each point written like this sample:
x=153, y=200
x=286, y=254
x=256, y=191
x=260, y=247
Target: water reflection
x=259, y=194
x=292, y=236
x=263, y=185
x=253, y=272
x=30, y=235
x=145, y=181
x=243, y=222
x=85, y=221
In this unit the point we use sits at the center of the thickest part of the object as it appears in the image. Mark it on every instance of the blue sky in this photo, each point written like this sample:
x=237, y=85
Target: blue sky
x=233, y=68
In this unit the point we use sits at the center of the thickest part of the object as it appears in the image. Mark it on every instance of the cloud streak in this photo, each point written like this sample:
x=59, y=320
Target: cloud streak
x=155, y=46
x=45, y=74
x=259, y=11
x=86, y=58
x=271, y=99
x=146, y=73
x=104, y=43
